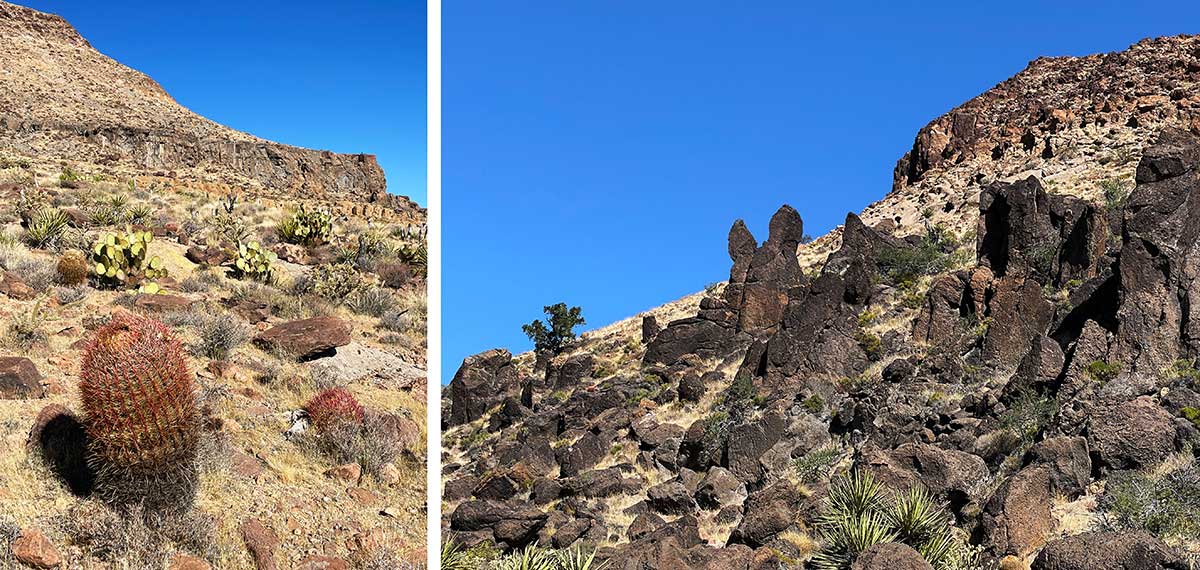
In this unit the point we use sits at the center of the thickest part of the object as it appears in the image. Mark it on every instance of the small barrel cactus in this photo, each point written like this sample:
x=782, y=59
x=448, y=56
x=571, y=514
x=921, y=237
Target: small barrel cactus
x=120, y=259
x=140, y=414
x=334, y=408
x=72, y=268
x=253, y=262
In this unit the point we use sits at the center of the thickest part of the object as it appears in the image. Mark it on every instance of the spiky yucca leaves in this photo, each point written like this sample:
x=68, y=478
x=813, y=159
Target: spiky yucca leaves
x=860, y=513
x=334, y=408
x=579, y=559
x=531, y=557
x=46, y=226
x=454, y=557
x=140, y=413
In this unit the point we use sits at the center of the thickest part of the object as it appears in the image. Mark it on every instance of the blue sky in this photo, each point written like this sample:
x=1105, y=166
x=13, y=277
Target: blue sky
x=596, y=152
x=343, y=76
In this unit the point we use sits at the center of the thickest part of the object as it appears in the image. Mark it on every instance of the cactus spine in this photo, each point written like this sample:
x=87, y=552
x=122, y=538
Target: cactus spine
x=140, y=412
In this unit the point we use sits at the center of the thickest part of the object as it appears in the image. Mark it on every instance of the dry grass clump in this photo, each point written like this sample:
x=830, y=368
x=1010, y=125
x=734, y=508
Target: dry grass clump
x=137, y=540
x=25, y=329
x=37, y=273
x=219, y=335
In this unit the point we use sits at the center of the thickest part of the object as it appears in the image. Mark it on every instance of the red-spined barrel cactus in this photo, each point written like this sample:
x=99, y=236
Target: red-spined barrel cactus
x=141, y=418
x=334, y=408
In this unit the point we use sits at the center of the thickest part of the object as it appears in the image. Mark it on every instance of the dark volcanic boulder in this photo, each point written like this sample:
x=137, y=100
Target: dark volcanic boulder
x=567, y=371
x=482, y=381
x=1108, y=551
x=890, y=556
x=749, y=441
x=1133, y=435
x=306, y=338
x=693, y=335
x=1017, y=519
x=767, y=512
x=671, y=498
x=956, y=475
x=514, y=524
x=19, y=379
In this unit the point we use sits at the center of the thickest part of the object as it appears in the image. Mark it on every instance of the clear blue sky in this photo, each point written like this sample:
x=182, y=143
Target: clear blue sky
x=344, y=76
x=596, y=152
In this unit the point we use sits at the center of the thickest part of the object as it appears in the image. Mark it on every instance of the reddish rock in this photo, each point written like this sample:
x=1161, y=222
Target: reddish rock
x=245, y=465
x=19, y=379
x=211, y=256
x=33, y=549
x=306, y=338
x=187, y=562
x=363, y=497
x=322, y=563
x=349, y=472
x=12, y=286
x=162, y=303
x=262, y=543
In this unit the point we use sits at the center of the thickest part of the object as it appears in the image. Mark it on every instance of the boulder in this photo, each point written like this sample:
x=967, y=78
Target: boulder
x=262, y=542
x=482, y=381
x=958, y=476
x=766, y=513
x=12, y=286
x=890, y=556
x=1102, y=550
x=306, y=339
x=19, y=379
x=671, y=498
x=567, y=371
x=1133, y=435
x=34, y=550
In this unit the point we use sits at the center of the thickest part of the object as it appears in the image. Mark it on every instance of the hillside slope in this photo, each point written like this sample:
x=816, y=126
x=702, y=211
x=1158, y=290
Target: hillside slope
x=278, y=418
x=1010, y=330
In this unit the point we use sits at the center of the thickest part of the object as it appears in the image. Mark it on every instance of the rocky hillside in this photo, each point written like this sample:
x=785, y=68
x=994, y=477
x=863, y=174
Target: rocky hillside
x=198, y=368
x=992, y=367
x=61, y=100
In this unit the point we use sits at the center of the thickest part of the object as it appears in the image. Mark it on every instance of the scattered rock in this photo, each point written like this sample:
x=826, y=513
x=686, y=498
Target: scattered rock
x=306, y=339
x=33, y=549
x=19, y=379
x=262, y=543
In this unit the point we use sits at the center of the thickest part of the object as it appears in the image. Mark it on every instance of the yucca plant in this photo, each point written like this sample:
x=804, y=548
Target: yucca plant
x=578, y=558
x=46, y=226
x=531, y=557
x=140, y=413
x=416, y=257
x=139, y=215
x=859, y=513
x=454, y=557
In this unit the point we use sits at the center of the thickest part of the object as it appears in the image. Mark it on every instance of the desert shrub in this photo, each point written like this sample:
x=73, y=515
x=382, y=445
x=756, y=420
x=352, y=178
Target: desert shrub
x=363, y=250
x=35, y=272
x=371, y=443
x=219, y=335
x=229, y=228
x=371, y=301
x=396, y=320
x=72, y=268
x=103, y=215
x=46, y=227
x=147, y=459
x=815, y=404
x=25, y=329
x=870, y=343
x=305, y=227
x=1191, y=414
x=816, y=464
x=1103, y=372
x=1183, y=368
x=859, y=512
x=1166, y=505
x=1041, y=257
x=253, y=262
x=1028, y=415
x=68, y=178
x=122, y=260
x=72, y=294
x=560, y=333
x=1115, y=193
x=393, y=274
x=200, y=280
x=334, y=282
x=136, y=539
x=930, y=257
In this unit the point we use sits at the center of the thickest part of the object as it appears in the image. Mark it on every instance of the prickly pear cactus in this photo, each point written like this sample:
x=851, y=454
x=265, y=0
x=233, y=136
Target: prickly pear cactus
x=120, y=260
x=306, y=227
x=140, y=414
x=253, y=262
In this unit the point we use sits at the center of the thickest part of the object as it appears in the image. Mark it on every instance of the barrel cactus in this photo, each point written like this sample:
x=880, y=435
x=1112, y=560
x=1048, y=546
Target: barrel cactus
x=305, y=227
x=253, y=262
x=334, y=408
x=72, y=268
x=121, y=260
x=141, y=418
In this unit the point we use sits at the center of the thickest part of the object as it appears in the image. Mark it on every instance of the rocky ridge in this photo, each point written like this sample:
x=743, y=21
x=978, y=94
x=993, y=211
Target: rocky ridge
x=61, y=100
x=1010, y=329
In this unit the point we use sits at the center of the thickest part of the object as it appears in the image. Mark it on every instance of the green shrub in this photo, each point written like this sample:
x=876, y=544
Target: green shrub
x=372, y=301
x=1166, y=505
x=1028, y=415
x=1183, y=368
x=416, y=257
x=1191, y=414
x=68, y=178
x=816, y=464
x=814, y=404
x=1103, y=372
x=334, y=282
x=218, y=336
x=870, y=343
x=906, y=264
x=305, y=227
x=560, y=333
x=1115, y=193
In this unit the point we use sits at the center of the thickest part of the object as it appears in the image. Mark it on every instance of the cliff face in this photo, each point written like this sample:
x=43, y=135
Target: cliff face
x=60, y=99
x=1012, y=328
